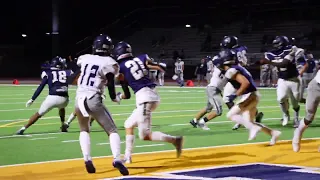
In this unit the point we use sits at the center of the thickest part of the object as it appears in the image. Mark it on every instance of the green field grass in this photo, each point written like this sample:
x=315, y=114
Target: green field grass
x=43, y=141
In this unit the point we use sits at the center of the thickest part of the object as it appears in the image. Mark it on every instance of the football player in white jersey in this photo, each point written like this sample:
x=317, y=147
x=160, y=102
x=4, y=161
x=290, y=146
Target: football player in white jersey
x=209, y=69
x=214, y=89
x=312, y=102
x=161, y=74
x=98, y=69
x=178, y=70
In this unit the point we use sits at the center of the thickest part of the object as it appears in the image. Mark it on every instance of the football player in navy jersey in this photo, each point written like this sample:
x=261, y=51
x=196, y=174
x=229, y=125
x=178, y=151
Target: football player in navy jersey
x=136, y=75
x=245, y=110
x=231, y=43
x=56, y=78
x=283, y=57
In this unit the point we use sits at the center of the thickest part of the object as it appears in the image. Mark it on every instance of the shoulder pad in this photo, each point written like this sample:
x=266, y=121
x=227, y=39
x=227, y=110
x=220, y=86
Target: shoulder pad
x=230, y=73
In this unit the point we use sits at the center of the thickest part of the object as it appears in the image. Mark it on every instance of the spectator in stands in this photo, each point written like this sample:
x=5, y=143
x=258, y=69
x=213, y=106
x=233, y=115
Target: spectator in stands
x=201, y=71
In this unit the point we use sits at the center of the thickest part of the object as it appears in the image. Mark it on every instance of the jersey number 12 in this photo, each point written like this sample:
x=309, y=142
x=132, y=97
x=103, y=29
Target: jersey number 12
x=88, y=79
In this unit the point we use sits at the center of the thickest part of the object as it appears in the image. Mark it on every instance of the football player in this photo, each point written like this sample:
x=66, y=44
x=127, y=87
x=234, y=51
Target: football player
x=214, y=89
x=178, y=70
x=231, y=42
x=312, y=102
x=135, y=71
x=97, y=69
x=283, y=57
x=56, y=78
x=245, y=110
x=306, y=67
x=209, y=69
x=161, y=74
x=265, y=73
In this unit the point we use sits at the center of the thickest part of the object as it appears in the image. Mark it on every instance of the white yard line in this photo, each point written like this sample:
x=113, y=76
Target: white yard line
x=70, y=141
x=33, y=139
x=154, y=152
x=149, y=145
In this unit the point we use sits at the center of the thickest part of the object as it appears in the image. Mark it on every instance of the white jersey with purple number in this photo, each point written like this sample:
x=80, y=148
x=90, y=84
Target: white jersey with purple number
x=94, y=69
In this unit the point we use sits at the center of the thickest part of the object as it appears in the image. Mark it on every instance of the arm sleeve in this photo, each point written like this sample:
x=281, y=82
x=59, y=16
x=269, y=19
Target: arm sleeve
x=111, y=85
x=125, y=88
x=40, y=88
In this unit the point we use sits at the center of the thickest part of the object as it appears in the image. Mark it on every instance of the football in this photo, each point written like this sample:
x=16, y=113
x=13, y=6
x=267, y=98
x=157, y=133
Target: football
x=120, y=77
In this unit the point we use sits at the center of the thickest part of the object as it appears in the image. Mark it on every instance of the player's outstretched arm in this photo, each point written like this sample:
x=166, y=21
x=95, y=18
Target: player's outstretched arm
x=125, y=87
x=73, y=76
x=39, y=89
x=111, y=86
x=154, y=66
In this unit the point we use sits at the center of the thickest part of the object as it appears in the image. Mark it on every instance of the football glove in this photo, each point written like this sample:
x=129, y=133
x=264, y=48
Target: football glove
x=118, y=98
x=29, y=103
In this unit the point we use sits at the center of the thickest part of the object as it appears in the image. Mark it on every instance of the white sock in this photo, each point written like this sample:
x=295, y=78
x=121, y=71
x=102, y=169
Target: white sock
x=195, y=120
x=239, y=120
x=159, y=136
x=285, y=107
x=114, y=139
x=201, y=121
x=23, y=128
x=85, y=145
x=129, y=145
x=302, y=126
x=71, y=118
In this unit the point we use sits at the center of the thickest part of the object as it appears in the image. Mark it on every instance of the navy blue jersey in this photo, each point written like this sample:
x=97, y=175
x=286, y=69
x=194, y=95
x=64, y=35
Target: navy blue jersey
x=233, y=70
x=136, y=73
x=278, y=56
x=241, y=52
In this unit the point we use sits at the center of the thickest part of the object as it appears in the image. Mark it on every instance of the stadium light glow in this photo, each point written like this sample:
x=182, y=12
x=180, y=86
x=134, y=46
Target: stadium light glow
x=188, y=25
x=23, y=35
x=47, y=33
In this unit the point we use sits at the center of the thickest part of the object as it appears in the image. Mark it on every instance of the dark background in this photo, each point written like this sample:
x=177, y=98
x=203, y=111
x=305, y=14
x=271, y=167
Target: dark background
x=80, y=21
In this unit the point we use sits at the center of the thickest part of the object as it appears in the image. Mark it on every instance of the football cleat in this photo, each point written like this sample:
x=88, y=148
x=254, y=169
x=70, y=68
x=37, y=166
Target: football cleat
x=90, y=167
x=236, y=126
x=64, y=128
x=194, y=124
x=178, y=144
x=203, y=126
x=274, y=138
x=20, y=132
x=122, y=168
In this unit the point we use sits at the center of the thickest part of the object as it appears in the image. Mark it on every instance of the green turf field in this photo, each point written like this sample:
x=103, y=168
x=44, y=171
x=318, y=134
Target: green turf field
x=43, y=141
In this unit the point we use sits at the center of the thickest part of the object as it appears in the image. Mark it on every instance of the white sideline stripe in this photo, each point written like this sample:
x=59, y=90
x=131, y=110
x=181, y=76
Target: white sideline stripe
x=99, y=144
x=155, y=152
x=149, y=145
x=42, y=138
x=69, y=141
x=186, y=124
x=120, y=114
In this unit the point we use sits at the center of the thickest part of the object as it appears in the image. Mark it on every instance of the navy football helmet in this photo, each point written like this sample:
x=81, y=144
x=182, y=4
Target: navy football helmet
x=58, y=63
x=102, y=45
x=280, y=42
x=122, y=50
x=229, y=42
x=228, y=57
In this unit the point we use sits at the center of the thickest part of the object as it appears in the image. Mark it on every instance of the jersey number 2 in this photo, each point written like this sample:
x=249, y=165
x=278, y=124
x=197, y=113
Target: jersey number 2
x=60, y=76
x=137, y=68
x=92, y=75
